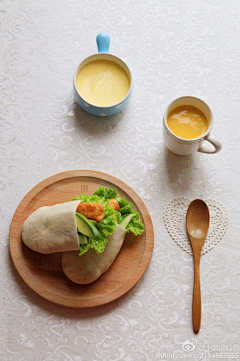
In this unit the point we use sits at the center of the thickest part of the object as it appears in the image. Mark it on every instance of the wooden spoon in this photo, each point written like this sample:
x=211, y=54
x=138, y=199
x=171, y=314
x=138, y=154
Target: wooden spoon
x=198, y=219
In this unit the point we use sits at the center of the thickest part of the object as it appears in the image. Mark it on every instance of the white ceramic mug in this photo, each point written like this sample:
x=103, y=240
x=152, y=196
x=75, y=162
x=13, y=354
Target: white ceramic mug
x=183, y=146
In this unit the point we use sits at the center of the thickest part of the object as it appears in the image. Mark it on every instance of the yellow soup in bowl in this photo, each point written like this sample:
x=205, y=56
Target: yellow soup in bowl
x=187, y=122
x=103, y=82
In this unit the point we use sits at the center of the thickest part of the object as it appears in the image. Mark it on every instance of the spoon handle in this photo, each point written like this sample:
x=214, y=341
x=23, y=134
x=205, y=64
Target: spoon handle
x=196, y=303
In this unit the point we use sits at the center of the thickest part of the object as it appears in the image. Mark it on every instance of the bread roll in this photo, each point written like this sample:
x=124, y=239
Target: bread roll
x=91, y=265
x=52, y=229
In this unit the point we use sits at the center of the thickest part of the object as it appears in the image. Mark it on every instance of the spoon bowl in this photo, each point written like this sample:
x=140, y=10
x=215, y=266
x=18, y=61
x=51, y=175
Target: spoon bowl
x=198, y=219
x=197, y=222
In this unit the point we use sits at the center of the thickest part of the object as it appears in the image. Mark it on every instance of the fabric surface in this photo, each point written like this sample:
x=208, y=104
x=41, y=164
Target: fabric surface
x=173, y=48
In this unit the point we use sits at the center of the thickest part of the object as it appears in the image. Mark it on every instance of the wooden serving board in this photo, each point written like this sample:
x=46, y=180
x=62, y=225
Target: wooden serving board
x=43, y=273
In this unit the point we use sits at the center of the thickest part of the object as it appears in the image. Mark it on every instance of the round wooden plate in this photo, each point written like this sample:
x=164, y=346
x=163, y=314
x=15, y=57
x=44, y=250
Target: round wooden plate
x=43, y=273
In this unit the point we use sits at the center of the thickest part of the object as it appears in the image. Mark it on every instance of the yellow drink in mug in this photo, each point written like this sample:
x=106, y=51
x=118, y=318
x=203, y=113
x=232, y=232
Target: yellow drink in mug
x=187, y=123
x=102, y=82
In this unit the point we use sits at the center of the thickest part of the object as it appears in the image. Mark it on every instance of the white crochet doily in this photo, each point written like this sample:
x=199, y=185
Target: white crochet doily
x=175, y=222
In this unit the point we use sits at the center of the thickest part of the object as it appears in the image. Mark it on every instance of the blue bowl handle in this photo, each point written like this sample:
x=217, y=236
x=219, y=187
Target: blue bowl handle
x=103, y=42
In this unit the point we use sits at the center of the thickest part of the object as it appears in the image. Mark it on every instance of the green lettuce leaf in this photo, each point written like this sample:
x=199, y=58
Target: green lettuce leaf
x=108, y=224
x=135, y=225
x=99, y=245
x=105, y=227
x=106, y=193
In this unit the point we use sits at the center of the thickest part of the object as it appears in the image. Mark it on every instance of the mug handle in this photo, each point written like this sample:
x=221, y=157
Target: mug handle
x=217, y=145
x=103, y=42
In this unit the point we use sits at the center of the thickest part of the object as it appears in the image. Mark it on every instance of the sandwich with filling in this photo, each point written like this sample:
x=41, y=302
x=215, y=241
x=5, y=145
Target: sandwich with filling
x=89, y=231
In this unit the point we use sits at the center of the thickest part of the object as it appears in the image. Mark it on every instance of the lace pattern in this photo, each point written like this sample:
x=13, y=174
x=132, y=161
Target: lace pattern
x=175, y=221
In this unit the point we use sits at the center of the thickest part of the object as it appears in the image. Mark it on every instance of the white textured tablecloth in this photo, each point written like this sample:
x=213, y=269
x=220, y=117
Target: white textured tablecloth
x=173, y=48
